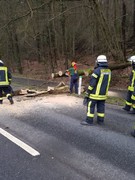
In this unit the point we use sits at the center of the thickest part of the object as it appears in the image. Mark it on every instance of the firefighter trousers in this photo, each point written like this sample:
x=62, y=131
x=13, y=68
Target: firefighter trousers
x=100, y=105
x=7, y=91
x=128, y=104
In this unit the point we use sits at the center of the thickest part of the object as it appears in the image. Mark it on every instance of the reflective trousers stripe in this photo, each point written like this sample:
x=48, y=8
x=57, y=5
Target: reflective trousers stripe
x=128, y=103
x=88, y=113
x=133, y=97
x=101, y=114
x=8, y=95
x=133, y=106
x=100, y=108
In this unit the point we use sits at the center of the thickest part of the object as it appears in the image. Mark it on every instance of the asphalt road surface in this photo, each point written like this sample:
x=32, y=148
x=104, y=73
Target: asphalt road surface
x=19, y=82
x=50, y=125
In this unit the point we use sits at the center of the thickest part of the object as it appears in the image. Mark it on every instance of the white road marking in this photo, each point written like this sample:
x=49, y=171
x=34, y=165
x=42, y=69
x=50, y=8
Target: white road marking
x=20, y=143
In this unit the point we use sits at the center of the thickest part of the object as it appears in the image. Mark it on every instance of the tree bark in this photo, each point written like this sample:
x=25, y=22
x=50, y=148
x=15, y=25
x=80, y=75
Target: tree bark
x=124, y=28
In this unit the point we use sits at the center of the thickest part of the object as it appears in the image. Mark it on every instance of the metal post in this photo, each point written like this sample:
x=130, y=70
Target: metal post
x=80, y=84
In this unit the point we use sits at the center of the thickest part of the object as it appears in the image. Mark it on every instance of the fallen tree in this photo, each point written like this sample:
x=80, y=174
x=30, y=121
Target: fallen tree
x=87, y=72
x=81, y=72
x=119, y=66
x=60, y=88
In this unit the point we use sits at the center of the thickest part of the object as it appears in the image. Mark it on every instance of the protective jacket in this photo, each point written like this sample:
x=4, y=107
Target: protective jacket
x=130, y=100
x=5, y=76
x=132, y=87
x=99, y=82
x=132, y=81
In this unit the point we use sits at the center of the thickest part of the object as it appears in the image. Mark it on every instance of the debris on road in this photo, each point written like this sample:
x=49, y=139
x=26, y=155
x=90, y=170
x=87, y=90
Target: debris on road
x=60, y=88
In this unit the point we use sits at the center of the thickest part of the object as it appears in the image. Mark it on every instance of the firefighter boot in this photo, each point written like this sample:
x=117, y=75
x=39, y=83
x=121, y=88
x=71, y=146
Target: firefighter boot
x=11, y=100
x=126, y=108
x=85, y=123
x=101, y=123
x=132, y=112
x=133, y=133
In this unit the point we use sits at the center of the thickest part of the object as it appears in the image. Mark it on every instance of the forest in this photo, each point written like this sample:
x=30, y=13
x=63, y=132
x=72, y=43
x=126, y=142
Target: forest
x=51, y=32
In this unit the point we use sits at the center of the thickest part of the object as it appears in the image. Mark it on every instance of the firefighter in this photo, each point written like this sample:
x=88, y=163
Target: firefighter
x=133, y=110
x=133, y=102
x=97, y=91
x=72, y=72
x=5, y=81
x=130, y=100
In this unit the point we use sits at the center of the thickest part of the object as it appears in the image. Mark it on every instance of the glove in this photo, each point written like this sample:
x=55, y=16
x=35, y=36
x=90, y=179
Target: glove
x=85, y=101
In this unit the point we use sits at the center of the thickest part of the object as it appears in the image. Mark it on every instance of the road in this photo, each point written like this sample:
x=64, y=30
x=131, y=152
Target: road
x=68, y=150
x=19, y=82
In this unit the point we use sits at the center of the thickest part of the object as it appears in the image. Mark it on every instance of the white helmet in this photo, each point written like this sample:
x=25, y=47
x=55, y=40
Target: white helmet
x=132, y=59
x=1, y=62
x=101, y=58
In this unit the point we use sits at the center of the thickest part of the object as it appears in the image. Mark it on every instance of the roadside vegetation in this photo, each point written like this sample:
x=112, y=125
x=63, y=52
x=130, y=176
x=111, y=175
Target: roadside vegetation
x=115, y=100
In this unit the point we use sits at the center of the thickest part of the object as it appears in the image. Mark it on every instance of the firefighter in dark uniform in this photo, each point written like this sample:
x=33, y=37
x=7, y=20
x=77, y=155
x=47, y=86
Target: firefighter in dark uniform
x=72, y=72
x=133, y=111
x=130, y=100
x=97, y=91
x=5, y=81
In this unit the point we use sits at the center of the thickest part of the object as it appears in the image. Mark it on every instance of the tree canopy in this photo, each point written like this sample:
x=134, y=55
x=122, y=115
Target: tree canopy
x=46, y=30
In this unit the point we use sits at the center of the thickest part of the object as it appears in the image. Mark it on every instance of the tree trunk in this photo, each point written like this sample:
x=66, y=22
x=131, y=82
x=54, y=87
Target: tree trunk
x=63, y=26
x=124, y=28
x=134, y=21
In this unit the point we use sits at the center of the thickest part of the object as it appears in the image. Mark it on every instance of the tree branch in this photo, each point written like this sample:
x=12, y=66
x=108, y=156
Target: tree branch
x=20, y=17
x=31, y=10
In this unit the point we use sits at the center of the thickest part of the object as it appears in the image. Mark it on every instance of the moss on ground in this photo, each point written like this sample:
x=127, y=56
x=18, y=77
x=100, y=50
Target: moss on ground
x=115, y=100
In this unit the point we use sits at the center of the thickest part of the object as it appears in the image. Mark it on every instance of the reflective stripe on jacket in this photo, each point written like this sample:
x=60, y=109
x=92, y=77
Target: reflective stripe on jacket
x=4, y=76
x=99, y=83
x=132, y=81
